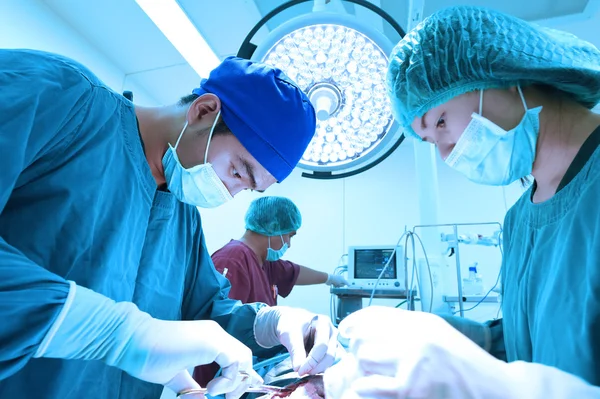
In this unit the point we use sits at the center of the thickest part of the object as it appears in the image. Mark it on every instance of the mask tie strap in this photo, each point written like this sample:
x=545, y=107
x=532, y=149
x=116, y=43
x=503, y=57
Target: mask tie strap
x=269, y=241
x=180, y=135
x=481, y=102
x=212, y=129
x=522, y=97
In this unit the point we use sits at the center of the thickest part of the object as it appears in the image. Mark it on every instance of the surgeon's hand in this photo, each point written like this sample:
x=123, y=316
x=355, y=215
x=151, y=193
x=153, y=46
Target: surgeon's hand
x=336, y=280
x=393, y=353
x=162, y=351
x=92, y=326
x=311, y=339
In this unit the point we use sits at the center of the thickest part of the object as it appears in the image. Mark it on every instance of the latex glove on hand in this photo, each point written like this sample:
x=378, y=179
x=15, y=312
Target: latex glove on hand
x=402, y=354
x=393, y=353
x=92, y=326
x=336, y=280
x=170, y=345
x=310, y=339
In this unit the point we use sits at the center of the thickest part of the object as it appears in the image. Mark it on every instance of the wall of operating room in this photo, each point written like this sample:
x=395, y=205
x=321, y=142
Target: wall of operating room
x=32, y=24
x=373, y=208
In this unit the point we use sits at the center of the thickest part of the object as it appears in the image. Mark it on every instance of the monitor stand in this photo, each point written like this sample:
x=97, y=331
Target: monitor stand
x=350, y=299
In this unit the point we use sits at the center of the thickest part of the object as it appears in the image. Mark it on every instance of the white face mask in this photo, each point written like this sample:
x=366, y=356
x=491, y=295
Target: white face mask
x=199, y=185
x=488, y=154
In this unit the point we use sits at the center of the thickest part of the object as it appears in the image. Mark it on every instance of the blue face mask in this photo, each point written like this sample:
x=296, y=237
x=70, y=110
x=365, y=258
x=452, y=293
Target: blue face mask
x=199, y=185
x=488, y=154
x=273, y=255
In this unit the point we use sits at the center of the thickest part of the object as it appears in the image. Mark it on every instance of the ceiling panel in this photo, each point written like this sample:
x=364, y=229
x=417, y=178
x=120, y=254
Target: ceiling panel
x=266, y=6
x=168, y=85
x=224, y=24
x=122, y=31
x=587, y=29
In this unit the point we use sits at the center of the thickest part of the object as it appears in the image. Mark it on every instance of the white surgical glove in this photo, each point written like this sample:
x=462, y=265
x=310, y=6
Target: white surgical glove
x=336, y=280
x=91, y=326
x=393, y=353
x=300, y=332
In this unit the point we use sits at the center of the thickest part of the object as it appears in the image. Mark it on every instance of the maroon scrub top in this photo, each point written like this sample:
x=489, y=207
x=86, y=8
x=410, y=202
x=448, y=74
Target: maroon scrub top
x=250, y=282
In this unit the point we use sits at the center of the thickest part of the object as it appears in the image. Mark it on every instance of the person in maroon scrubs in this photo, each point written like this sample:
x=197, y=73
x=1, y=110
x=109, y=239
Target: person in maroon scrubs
x=253, y=263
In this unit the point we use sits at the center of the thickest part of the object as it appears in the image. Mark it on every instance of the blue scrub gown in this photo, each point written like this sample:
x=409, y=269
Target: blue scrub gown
x=78, y=202
x=551, y=277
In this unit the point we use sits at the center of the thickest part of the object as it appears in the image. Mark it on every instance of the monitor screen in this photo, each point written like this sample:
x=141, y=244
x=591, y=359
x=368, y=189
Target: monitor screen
x=368, y=263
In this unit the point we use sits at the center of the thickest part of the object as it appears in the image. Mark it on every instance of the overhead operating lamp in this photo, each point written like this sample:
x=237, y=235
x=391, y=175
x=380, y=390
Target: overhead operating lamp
x=341, y=64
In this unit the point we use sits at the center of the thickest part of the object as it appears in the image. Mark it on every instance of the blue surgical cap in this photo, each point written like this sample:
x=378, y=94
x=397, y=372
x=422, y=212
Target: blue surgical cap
x=271, y=116
x=461, y=49
x=272, y=216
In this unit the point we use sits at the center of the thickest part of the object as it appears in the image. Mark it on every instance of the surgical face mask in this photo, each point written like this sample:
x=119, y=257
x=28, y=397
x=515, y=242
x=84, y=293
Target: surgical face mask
x=273, y=255
x=488, y=154
x=199, y=185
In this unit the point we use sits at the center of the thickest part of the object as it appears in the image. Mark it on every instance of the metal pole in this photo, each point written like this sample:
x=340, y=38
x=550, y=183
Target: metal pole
x=458, y=274
x=426, y=168
x=421, y=226
x=457, y=253
x=408, y=290
x=425, y=156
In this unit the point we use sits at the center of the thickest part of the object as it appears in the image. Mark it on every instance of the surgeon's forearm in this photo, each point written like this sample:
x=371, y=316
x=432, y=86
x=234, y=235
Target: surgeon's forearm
x=31, y=298
x=92, y=327
x=238, y=320
x=489, y=335
x=308, y=276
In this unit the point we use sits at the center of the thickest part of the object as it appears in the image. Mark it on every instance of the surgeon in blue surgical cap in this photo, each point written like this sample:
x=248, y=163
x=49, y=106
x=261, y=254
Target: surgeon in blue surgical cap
x=106, y=286
x=502, y=100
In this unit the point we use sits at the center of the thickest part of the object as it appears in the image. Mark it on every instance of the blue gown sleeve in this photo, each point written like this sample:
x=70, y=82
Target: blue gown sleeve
x=497, y=348
x=489, y=335
x=41, y=98
x=206, y=297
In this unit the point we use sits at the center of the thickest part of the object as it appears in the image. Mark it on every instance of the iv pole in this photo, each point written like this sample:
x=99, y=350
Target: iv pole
x=457, y=253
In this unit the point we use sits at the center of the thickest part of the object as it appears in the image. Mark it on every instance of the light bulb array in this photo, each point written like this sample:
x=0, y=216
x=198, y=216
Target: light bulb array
x=352, y=68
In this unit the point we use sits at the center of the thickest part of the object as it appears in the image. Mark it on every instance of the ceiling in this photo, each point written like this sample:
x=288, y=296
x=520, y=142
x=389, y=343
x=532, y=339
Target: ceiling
x=122, y=32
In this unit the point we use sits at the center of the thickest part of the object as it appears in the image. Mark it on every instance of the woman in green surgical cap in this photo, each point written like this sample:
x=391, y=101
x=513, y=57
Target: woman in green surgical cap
x=502, y=100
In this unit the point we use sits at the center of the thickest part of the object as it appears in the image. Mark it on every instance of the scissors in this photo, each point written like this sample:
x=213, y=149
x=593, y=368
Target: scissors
x=258, y=389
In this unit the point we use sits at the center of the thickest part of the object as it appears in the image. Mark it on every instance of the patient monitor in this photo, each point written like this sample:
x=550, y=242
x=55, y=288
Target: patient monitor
x=366, y=263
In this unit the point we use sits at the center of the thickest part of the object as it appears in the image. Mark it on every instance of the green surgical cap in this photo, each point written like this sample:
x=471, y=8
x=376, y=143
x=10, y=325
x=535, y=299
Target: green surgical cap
x=462, y=49
x=272, y=216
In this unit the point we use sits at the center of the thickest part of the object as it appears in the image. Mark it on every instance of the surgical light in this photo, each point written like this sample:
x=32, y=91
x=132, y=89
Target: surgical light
x=341, y=65
x=342, y=71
